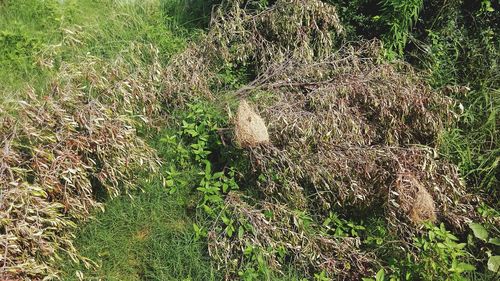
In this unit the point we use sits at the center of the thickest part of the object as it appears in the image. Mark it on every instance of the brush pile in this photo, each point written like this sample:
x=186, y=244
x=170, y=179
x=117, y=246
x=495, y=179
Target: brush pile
x=355, y=134
x=58, y=151
x=247, y=33
x=347, y=133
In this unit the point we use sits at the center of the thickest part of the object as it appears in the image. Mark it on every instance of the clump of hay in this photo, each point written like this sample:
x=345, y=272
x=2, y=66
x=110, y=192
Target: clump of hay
x=57, y=150
x=415, y=200
x=250, y=128
x=423, y=207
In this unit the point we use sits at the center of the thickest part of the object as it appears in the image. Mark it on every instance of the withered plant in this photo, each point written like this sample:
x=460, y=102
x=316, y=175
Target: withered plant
x=349, y=133
x=62, y=148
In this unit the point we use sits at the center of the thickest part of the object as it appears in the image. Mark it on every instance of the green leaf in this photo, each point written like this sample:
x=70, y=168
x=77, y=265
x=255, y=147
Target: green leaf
x=465, y=267
x=230, y=230
x=380, y=275
x=479, y=231
x=196, y=228
x=241, y=231
x=218, y=175
x=494, y=263
x=208, y=168
x=495, y=241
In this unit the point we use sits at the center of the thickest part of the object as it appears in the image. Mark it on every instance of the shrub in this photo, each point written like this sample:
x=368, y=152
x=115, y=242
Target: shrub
x=58, y=152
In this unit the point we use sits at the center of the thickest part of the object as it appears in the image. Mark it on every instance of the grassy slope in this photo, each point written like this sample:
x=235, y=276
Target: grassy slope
x=31, y=31
x=148, y=237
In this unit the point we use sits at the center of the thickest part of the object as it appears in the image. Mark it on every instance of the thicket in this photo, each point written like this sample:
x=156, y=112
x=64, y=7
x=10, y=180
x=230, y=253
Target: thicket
x=291, y=70
x=369, y=141
x=456, y=44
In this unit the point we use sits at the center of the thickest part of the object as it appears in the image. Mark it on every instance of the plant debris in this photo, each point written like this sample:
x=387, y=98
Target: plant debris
x=347, y=133
x=57, y=152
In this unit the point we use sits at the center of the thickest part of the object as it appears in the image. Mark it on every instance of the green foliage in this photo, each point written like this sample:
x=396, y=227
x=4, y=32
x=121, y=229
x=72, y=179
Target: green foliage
x=479, y=231
x=400, y=16
x=340, y=227
x=442, y=255
x=26, y=27
x=197, y=139
x=17, y=50
x=462, y=55
x=438, y=256
x=361, y=18
x=189, y=13
x=494, y=264
x=487, y=240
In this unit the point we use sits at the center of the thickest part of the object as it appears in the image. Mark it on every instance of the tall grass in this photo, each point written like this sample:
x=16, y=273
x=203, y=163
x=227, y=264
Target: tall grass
x=190, y=13
x=37, y=36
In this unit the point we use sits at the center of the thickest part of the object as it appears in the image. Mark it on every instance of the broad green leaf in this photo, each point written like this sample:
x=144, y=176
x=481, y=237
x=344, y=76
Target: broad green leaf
x=494, y=263
x=479, y=231
x=226, y=220
x=465, y=267
x=380, y=275
x=495, y=241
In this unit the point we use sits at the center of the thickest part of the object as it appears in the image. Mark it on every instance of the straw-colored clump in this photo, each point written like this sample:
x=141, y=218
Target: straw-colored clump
x=415, y=201
x=250, y=128
x=423, y=208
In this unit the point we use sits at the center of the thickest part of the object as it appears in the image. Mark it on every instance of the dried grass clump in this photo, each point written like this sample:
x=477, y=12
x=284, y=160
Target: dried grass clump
x=419, y=204
x=56, y=152
x=250, y=129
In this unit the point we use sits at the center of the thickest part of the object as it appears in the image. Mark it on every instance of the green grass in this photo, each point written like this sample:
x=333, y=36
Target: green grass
x=36, y=36
x=146, y=237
